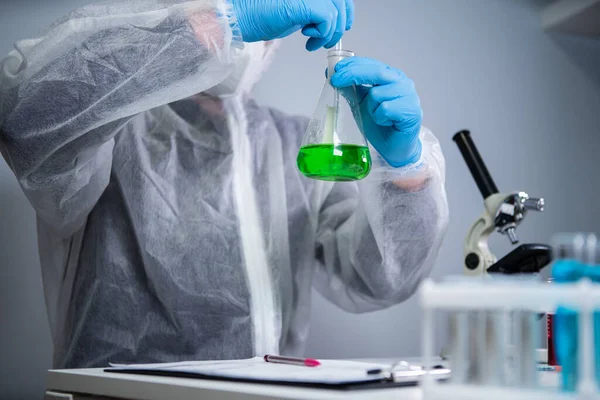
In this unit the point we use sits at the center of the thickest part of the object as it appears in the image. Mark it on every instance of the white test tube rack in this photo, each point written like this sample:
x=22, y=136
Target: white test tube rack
x=536, y=297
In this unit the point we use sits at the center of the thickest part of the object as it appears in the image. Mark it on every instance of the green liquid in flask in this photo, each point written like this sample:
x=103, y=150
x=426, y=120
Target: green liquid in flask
x=339, y=163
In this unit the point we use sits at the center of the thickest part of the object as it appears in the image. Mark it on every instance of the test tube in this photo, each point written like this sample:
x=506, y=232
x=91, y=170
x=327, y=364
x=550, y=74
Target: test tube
x=459, y=351
x=567, y=267
x=589, y=324
x=594, y=259
x=525, y=333
x=516, y=336
x=527, y=344
x=476, y=346
x=494, y=358
x=478, y=367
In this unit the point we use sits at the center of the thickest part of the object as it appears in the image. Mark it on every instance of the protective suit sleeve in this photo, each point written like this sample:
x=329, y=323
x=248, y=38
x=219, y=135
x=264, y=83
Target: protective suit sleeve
x=64, y=95
x=376, y=240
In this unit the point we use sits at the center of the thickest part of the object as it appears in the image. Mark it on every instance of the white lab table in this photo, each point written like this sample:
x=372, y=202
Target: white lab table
x=95, y=384
x=88, y=384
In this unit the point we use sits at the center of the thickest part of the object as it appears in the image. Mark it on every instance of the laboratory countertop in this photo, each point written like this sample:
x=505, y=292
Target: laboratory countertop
x=96, y=383
x=92, y=384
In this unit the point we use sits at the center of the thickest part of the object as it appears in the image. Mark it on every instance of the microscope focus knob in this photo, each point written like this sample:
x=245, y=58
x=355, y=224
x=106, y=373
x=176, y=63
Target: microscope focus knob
x=472, y=261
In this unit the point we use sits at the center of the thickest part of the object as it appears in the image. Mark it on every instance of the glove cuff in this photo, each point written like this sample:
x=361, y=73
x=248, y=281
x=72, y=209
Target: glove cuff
x=411, y=159
x=237, y=22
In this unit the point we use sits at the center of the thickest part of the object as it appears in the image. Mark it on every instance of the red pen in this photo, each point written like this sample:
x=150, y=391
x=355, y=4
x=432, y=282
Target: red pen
x=303, y=362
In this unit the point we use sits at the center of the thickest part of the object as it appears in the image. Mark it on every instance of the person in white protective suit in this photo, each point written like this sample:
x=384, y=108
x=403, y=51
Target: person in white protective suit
x=173, y=223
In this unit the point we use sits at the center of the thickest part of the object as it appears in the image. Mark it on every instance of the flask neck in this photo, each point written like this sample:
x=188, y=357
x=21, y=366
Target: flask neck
x=334, y=57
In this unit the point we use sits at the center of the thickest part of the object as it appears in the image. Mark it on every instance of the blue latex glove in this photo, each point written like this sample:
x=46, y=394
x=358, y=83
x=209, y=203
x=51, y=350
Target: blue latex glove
x=323, y=21
x=389, y=108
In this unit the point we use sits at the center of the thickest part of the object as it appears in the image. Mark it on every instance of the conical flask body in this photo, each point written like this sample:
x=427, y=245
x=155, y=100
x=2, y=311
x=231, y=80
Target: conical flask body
x=334, y=148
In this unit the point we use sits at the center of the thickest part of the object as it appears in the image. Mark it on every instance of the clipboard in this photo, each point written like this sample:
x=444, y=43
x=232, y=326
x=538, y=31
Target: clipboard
x=332, y=374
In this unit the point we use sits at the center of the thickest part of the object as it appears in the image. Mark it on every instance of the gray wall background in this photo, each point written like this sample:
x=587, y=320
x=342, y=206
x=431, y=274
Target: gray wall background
x=531, y=99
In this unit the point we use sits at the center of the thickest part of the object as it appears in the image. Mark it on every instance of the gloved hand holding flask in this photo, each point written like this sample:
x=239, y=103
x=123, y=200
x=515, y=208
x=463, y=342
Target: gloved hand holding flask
x=389, y=107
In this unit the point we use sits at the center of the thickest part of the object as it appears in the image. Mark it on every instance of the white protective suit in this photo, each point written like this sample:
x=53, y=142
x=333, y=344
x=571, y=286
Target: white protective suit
x=174, y=225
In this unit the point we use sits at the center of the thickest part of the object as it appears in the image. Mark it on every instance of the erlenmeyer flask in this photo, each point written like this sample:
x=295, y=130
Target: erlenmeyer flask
x=334, y=148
